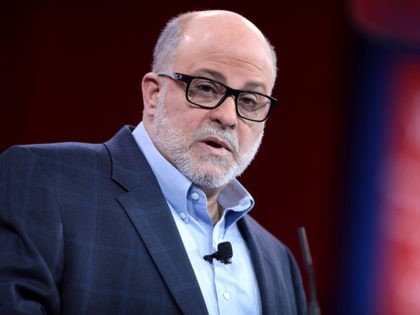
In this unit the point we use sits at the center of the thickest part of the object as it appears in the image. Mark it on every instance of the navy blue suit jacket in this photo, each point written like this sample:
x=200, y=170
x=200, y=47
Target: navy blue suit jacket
x=85, y=229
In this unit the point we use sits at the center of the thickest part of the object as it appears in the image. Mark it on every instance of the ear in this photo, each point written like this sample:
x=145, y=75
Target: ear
x=151, y=87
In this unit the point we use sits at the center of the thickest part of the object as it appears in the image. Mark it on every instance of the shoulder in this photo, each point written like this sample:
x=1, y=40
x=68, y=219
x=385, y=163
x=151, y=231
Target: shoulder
x=73, y=152
x=36, y=172
x=52, y=153
x=61, y=149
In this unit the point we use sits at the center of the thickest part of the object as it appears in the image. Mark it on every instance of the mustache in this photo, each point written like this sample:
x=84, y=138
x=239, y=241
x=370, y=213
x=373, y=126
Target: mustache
x=224, y=134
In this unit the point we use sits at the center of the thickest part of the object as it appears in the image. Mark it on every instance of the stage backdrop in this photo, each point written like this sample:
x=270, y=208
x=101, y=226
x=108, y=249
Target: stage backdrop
x=72, y=72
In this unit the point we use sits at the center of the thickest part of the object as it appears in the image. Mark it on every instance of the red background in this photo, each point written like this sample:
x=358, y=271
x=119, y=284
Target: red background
x=72, y=72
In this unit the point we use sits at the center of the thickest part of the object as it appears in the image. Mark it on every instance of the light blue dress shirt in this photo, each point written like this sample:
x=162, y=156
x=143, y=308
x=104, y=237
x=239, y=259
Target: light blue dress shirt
x=227, y=288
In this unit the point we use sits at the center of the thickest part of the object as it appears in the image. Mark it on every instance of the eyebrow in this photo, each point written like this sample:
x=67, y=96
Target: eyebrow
x=214, y=75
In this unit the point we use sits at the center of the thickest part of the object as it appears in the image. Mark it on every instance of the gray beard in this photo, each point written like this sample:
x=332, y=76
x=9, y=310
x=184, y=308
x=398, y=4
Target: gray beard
x=209, y=171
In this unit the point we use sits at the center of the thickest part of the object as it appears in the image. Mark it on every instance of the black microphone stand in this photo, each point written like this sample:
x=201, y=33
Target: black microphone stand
x=313, y=306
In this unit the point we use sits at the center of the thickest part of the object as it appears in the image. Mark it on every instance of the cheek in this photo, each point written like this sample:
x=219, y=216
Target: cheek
x=248, y=135
x=186, y=122
x=188, y=118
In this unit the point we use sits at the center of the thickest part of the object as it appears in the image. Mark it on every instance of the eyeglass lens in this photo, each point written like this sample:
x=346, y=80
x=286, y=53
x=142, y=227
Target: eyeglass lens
x=209, y=94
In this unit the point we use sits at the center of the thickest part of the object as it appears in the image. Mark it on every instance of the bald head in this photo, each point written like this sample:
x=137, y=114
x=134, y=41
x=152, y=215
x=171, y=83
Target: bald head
x=216, y=34
x=216, y=56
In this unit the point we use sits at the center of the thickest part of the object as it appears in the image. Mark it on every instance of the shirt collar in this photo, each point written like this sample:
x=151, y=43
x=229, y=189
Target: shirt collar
x=175, y=186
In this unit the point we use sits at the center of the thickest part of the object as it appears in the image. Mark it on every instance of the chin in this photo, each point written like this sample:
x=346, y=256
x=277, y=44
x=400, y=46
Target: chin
x=211, y=178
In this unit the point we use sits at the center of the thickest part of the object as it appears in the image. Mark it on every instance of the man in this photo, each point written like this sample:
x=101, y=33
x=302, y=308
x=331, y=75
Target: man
x=130, y=226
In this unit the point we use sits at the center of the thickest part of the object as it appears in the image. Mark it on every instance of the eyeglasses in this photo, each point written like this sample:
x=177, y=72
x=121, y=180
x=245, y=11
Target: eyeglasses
x=209, y=94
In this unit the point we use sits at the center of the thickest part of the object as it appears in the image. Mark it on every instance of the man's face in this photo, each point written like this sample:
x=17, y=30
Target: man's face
x=207, y=153
x=211, y=147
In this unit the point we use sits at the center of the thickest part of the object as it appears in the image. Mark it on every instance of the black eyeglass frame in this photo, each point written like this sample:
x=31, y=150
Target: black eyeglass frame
x=229, y=91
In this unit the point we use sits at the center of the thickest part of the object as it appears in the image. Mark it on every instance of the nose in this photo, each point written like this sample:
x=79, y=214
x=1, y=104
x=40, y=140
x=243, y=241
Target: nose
x=225, y=113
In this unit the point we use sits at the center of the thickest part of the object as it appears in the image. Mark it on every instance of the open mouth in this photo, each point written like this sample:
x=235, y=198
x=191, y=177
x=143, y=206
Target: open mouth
x=217, y=143
x=213, y=144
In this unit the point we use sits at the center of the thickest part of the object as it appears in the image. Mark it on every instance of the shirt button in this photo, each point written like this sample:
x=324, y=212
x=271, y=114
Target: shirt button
x=194, y=196
x=226, y=295
x=182, y=215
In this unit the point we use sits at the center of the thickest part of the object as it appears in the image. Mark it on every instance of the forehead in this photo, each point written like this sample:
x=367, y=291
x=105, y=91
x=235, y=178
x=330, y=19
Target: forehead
x=242, y=50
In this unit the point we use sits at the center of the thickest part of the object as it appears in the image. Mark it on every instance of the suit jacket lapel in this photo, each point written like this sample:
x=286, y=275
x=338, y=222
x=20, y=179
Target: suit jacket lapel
x=151, y=217
x=271, y=302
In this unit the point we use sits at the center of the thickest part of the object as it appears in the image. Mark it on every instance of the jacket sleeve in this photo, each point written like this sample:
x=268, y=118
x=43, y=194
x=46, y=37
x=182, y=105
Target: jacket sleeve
x=31, y=236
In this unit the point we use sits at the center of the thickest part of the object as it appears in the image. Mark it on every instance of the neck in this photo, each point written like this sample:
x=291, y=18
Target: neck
x=213, y=208
x=215, y=212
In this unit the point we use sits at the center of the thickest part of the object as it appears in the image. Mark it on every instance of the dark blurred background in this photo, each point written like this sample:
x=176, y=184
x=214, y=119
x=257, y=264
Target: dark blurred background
x=336, y=148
